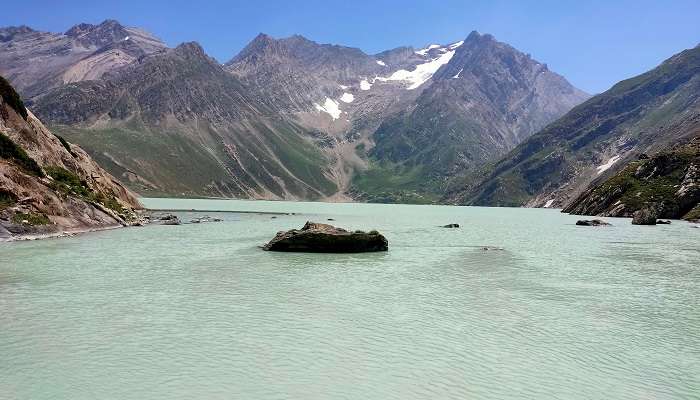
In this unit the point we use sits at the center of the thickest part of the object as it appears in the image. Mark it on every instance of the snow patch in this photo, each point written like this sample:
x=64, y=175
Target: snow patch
x=421, y=73
x=330, y=107
x=455, y=45
x=126, y=38
x=364, y=85
x=380, y=62
x=604, y=167
x=457, y=76
x=347, y=98
x=425, y=51
x=343, y=87
x=548, y=203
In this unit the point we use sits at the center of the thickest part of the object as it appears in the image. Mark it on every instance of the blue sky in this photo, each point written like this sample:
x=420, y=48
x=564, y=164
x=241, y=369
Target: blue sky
x=592, y=43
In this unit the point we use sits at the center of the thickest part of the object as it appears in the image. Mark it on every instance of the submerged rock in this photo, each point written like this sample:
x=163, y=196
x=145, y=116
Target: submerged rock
x=592, y=222
x=450, y=226
x=169, y=219
x=323, y=238
x=646, y=216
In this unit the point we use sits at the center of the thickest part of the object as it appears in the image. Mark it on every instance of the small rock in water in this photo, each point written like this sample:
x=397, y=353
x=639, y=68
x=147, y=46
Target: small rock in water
x=592, y=222
x=450, y=226
x=169, y=219
x=486, y=248
x=195, y=221
x=323, y=238
x=662, y=222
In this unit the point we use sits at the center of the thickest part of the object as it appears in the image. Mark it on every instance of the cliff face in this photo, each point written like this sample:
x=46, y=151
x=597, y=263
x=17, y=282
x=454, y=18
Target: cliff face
x=49, y=186
x=667, y=183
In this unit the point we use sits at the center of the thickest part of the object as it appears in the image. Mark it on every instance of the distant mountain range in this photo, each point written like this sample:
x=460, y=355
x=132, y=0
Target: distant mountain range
x=285, y=118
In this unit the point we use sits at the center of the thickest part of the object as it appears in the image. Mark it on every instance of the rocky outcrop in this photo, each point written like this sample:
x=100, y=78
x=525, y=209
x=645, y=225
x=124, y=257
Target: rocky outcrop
x=664, y=185
x=592, y=222
x=49, y=186
x=323, y=238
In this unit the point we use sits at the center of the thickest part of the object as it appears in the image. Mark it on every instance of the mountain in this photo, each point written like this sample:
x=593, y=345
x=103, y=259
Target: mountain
x=176, y=122
x=290, y=118
x=415, y=115
x=38, y=61
x=486, y=99
x=596, y=139
x=48, y=185
x=668, y=183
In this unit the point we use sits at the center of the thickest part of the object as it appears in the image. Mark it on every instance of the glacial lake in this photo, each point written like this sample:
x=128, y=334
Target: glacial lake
x=199, y=311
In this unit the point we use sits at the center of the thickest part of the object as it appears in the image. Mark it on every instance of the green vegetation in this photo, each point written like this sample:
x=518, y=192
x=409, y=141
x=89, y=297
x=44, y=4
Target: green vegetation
x=9, y=150
x=693, y=215
x=10, y=96
x=66, y=145
x=7, y=199
x=652, y=182
x=393, y=183
x=31, y=218
x=69, y=183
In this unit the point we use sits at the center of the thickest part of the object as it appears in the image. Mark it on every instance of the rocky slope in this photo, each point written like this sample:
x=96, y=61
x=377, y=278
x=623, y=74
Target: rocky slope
x=668, y=183
x=38, y=61
x=49, y=186
x=175, y=122
x=418, y=116
x=484, y=101
x=288, y=118
x=644, y=114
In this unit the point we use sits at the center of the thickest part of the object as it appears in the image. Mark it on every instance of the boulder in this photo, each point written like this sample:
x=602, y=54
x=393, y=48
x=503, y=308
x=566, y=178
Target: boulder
x=592, y=222
x=646, y=216
x=323, y=238
x=451, y=226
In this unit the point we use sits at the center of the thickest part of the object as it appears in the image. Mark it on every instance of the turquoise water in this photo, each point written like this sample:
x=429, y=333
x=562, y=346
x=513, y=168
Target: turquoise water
x=198, y=311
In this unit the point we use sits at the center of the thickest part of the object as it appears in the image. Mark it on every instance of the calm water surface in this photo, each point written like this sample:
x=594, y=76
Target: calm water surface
x=200, y=312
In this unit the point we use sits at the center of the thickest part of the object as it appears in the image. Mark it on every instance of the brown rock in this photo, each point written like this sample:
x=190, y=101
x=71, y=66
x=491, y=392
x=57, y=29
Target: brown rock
x=323, y=238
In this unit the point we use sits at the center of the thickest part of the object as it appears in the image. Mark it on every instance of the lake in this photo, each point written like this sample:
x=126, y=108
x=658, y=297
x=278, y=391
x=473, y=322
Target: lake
x=199, y=311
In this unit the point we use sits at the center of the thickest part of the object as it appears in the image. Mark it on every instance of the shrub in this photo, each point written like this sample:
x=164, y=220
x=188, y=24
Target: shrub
x=7, y=199
x=10, y=96
x=31, y=218
x=66, y=145
x=70, y=183
x=9, y=150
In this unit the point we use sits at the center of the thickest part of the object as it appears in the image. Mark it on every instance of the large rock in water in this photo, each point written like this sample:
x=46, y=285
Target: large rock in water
x=646, y=216
x=324, y=238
